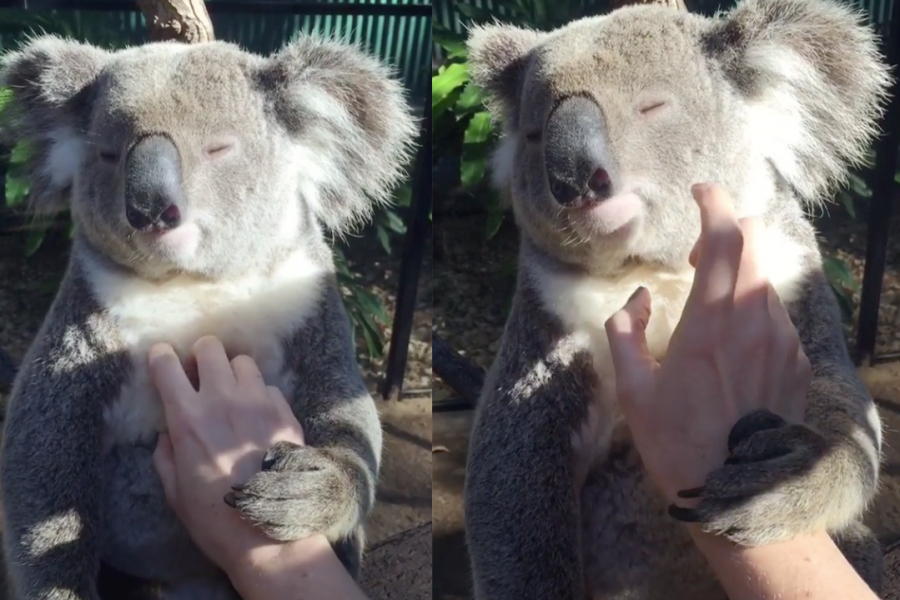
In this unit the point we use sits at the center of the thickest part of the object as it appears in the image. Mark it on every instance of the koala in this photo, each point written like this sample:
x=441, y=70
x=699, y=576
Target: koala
x=204, y=182
x=607, y=123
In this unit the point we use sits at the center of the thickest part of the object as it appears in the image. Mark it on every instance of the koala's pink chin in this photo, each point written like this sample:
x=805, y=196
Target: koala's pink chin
x=180, y=242
x=612, y=214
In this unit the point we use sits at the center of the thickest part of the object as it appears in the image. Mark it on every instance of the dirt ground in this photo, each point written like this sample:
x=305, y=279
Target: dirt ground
x=404, y=491
x=474, y=280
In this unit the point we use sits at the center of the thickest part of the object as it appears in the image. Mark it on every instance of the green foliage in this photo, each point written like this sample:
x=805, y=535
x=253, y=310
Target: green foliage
x=462, y=126
x=843, y=284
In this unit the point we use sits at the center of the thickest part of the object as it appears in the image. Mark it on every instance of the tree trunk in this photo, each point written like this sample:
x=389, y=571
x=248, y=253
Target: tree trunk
x=677, y=4
x=181, y=20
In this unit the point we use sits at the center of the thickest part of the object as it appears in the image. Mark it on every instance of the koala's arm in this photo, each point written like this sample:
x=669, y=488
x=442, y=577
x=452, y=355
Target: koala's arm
x=51, y=450
x=327, y=486
x=522, y=504
x=785, y=479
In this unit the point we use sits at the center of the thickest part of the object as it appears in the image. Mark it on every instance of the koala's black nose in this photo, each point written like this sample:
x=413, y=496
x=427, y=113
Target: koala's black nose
x=153, y=188
x=575, y=153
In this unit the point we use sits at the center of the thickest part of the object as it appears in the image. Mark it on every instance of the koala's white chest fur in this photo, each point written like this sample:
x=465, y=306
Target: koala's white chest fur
x=584, y=304
x=250, y=315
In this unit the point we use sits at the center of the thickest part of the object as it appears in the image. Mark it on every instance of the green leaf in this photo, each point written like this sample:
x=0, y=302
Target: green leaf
x=472, y=171
x=16, y=190
x=473, y=164
x=479, y=129
x=847, y=201
x=403, y=195
x=5, y=96
x=494, y=222
x=394, y=222
x=374, y=342
x=472, y=97
x=839, y=274
x=371, y=305
x=21, y=154
x=450, y=78
x=384, y=238
x=859, y=186
x=34, y=240
x=454, y=44
x=445, y=106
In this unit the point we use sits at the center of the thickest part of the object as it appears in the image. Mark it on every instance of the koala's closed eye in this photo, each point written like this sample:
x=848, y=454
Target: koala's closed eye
x=109, y=156
x=652, y=107
x=219, y=148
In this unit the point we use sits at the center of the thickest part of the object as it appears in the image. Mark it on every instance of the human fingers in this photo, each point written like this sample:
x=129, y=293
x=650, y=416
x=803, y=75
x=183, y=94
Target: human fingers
x=175, y=390
x=292, y=426
x=750, y=275
x=788, y=389
x=213, y=366
x=719, y=257
x=632, y=361
x=246, y=372
x=164, y=462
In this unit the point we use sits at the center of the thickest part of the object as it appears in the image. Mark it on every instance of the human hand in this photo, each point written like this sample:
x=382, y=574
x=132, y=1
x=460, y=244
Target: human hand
x=734, y=351
x=217, y=437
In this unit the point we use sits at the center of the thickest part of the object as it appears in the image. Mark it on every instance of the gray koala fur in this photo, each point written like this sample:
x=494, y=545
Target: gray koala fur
x=774, y=100
x=263, y=157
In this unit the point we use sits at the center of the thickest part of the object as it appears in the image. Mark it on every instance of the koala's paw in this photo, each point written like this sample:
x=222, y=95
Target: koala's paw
x=300, y=492
x=778, y=482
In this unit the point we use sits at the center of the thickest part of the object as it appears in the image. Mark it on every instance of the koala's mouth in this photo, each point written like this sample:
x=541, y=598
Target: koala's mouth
x=609, y=215
x=178, y=243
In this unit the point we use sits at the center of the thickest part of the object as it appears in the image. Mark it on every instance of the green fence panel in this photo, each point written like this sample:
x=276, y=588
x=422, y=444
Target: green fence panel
x=448, y=14
x=403, y=41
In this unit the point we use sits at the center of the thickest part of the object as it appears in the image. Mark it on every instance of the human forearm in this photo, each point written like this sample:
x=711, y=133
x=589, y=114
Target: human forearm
x=304, y=570
x=809, y=567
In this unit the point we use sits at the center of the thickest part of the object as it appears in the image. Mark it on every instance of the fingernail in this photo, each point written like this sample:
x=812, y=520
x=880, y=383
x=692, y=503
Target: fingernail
x=699, y=189
x=635, y=293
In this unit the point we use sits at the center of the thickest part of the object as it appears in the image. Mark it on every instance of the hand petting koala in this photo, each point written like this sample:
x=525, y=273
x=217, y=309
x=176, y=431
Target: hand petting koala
x=202, y=181
x=608, y=122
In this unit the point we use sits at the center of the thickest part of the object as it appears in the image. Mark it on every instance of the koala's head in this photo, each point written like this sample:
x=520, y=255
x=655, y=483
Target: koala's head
x=609, y=120
x=204, y=158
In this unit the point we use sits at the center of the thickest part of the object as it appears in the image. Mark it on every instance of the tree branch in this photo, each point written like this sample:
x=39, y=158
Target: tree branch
x=181, y=20
x=676, y=4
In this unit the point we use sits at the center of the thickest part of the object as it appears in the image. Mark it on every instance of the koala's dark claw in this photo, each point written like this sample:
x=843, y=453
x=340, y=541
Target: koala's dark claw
x=692, y=493
x=685, y=515
x=758, y=420
x=238, y=487
x=230, y=499
x=269, y=461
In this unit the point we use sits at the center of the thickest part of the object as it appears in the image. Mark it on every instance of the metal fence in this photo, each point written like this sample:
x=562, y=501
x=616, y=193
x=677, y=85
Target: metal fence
x=397, y=31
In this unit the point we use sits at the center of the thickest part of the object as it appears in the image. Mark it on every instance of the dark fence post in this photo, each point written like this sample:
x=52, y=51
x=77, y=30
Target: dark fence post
x=883, y=191
x=462, y=375
x=410, y=267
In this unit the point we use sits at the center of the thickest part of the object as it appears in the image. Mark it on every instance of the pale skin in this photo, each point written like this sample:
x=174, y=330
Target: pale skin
x=734, y=350
x=217, y=436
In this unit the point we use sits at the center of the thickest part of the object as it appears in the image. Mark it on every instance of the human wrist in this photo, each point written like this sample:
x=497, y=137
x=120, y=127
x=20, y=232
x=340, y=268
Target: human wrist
x=809, y=565
x=306, y=569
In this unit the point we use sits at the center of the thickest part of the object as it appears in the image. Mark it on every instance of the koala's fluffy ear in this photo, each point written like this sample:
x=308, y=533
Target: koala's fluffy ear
x=498, y=57
x=814, y=79
x=50, y=79
x=353, y=123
